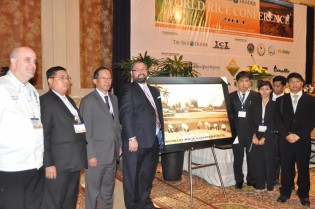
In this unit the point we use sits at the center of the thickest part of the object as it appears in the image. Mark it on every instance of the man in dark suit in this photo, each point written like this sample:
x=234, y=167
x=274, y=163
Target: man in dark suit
x=242, y=102
x=279, y=84
x=142, y=127
x=99, y=110
x=295, y=119
x=64, y=142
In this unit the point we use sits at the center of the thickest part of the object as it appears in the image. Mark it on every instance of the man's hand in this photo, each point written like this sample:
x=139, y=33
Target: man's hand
x=51, y=172
x=262, y=141
x=292, y=138
x=255, y=139
x=93, y=162
x=133, y=145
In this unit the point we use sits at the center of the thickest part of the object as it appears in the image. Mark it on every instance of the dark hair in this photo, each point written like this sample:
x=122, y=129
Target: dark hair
x=242, y=74
x=280, y=78
x=53, y=70
x=96, y=72
x=295, y=75
x=262, y=83
x=136, y=62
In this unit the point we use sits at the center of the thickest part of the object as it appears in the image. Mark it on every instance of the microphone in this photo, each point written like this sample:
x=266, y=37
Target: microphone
x=253, y=59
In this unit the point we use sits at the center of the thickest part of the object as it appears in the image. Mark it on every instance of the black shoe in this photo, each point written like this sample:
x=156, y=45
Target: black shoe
x=239, y=185
x=305, y=201
x=282, y=198
x=251, y=184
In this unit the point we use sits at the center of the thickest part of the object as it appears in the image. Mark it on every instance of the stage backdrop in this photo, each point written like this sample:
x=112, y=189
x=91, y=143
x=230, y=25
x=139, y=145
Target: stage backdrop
x=222, y=37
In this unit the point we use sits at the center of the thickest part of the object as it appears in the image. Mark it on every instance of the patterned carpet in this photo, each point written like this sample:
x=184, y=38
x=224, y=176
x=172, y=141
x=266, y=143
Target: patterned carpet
x=176, y=195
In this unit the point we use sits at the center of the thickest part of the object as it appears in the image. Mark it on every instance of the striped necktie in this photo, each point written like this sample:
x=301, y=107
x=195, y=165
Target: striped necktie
x=151, y=100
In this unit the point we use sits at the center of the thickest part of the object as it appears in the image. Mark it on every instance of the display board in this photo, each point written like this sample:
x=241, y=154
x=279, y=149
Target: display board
x=196, y=112
x=222, y=37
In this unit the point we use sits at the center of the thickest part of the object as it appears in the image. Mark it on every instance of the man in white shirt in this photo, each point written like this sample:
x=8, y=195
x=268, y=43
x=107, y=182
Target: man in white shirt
x=21, y=135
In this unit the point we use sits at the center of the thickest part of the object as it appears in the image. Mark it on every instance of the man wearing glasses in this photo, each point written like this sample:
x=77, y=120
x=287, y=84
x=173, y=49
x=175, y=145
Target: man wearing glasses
x=64, y=142
x=99, y=110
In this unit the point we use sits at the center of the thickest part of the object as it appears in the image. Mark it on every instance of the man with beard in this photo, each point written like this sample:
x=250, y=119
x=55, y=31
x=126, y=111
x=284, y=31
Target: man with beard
x=142, y=134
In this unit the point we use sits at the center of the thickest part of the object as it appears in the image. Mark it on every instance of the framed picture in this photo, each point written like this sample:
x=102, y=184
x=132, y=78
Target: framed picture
x=196, y=112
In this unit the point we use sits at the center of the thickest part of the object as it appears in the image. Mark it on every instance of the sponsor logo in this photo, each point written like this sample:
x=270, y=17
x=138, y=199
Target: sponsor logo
x=206, y=67
x=190, y=43
x=261, y=49
x=283, y=51
x=250, y=48
x=170, y=54
x=233, y=67
x=221, y=45
x=271, y=50
x=277, y=70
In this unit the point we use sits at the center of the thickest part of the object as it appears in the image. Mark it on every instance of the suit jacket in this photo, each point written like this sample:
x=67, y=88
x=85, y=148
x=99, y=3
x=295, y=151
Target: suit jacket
x=268, y=119
x=137, y=115
x=243, y=125
x=62, y=146
x=301, y=122
x=103, y=131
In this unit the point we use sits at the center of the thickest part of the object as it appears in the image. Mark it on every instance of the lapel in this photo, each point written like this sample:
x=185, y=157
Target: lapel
x=61, y=103
x=141, y=92
x=101, y=102
x=287, y=100
x=300, y=104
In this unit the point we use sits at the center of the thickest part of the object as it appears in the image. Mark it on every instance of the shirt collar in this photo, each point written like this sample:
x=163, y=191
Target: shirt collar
x=101, y=93
x=299, y=94
x=16, y=80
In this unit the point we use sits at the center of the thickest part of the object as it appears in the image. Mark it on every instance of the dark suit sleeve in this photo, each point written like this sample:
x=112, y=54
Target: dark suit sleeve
x=46, y=118
x=278, y=112
x=126, y=112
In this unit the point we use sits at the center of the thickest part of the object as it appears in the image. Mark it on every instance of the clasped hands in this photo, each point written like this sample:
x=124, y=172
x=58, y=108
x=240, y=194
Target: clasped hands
x=258, y=142
x=292, y=138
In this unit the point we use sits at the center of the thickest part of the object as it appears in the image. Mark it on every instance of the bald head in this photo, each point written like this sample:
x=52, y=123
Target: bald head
x=23, y=63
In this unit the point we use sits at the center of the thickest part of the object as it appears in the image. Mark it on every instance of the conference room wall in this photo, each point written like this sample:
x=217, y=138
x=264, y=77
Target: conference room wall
x=61, y=39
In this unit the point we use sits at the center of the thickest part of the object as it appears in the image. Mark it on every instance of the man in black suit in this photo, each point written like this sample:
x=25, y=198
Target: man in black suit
x=295, y=119
x=278, y=83
x=242, y=101
x=142, y=129
x=64, y=142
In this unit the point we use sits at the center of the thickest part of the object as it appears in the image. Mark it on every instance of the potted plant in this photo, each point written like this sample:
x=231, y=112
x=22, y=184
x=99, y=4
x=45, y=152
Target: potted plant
x=172, y=163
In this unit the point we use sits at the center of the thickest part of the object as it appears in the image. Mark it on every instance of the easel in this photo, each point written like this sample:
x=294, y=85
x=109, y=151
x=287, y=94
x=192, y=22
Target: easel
x=192, y=166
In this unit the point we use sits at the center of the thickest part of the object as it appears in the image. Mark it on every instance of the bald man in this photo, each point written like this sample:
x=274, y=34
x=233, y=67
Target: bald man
x=21, y=135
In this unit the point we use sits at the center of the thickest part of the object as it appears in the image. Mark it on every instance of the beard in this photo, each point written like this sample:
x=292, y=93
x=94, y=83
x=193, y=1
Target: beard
x=142, y=79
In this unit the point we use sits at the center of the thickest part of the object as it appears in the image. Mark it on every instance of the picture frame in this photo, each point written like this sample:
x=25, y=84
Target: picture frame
x=197, y=112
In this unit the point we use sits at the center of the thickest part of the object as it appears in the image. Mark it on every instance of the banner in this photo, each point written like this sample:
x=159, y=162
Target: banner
x=222, y=37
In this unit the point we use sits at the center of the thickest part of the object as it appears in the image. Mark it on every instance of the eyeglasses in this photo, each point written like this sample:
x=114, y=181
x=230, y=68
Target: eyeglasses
x=104, y=78
x=63, y=78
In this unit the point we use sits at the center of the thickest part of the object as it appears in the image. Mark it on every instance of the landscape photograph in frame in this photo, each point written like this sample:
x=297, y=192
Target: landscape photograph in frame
x=196, y=112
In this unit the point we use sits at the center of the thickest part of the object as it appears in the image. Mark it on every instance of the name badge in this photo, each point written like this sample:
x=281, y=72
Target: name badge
x=79, y=128
x=262, y=128
x=241, y=114
x=36, y=123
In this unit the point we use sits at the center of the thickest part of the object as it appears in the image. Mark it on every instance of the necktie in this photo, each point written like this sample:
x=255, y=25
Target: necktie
x=107, y=103
x=243, y=98
x=151, y=100
x=295, y=100
x=108, y=106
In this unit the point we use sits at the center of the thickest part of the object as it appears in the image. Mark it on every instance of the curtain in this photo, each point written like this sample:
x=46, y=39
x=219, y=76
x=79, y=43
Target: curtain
x=96, y=23
x=309, y=46
x=20, y=25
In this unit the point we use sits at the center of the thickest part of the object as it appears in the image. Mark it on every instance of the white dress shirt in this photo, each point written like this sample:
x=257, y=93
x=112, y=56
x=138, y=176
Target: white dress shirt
x=293, y=98
x=21, y=145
